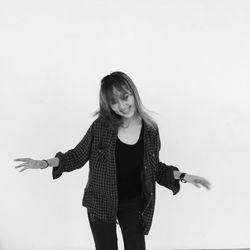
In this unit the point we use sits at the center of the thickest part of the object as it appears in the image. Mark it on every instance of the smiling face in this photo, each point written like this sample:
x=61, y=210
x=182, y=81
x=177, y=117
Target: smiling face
x=123, y=103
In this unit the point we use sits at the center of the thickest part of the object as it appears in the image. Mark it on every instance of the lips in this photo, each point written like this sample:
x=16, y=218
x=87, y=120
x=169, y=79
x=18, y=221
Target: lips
x=126, y=111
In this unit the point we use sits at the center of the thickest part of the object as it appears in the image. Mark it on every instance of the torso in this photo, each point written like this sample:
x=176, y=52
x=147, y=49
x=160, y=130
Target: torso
x=130, y=135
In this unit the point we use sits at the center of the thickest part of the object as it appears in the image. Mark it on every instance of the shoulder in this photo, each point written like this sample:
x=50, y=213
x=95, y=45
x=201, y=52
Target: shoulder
x=152, y=129
x=99, y=125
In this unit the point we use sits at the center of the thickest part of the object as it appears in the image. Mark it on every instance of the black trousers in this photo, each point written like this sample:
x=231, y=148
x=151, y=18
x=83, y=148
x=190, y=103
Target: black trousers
x=104, y=233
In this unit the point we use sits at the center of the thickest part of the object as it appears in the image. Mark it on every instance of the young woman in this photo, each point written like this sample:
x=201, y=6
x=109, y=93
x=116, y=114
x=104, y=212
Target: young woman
x=122, y=146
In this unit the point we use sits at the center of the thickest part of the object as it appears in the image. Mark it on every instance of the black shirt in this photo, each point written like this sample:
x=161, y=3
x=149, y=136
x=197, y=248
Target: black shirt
x=129, y=160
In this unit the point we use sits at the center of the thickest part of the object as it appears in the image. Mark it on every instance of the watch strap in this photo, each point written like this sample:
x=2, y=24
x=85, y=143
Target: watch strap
x=182, y=176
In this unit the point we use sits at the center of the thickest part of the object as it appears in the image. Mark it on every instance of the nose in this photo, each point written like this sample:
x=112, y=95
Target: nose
x=122, y=105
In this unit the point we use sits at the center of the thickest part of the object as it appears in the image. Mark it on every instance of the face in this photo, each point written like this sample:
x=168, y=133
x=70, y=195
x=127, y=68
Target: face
x=123, y=104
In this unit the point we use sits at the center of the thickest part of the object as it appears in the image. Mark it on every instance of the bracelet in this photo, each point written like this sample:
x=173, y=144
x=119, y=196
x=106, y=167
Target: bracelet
x=182, y=177
x=46, y=162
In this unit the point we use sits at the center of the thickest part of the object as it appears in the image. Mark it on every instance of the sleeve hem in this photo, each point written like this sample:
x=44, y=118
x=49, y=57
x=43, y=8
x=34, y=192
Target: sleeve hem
x=58, y=170
x=176, y=183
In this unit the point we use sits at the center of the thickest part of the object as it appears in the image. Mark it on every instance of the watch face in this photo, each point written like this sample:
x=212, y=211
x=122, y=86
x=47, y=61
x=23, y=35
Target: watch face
x=182, y=177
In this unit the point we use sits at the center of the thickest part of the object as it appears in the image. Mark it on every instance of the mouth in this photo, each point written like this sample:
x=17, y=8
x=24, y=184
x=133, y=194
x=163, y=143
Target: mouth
x=126, y=111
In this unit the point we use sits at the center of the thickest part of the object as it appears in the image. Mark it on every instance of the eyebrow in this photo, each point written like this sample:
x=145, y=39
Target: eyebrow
x=123, y=94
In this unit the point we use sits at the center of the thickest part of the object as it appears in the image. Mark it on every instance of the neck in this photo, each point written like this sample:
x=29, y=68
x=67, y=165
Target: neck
x=134, y=121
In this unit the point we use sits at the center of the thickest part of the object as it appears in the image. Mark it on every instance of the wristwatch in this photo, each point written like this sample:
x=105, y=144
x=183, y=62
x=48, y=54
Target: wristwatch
x=182, y=176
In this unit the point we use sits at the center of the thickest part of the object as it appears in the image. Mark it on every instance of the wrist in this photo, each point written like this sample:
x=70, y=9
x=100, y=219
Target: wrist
x=182, y=177
x=45, y=164
x=177, y=174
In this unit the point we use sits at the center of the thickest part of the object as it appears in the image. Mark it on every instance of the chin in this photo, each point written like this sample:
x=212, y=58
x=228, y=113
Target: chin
x=130, y=115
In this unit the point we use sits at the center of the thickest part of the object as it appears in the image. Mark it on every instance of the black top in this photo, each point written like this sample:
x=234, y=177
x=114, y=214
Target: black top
x=129, y=160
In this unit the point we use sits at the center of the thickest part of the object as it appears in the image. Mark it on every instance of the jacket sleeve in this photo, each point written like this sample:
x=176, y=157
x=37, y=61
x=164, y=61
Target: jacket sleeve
x=74, y=158
x=165, y=173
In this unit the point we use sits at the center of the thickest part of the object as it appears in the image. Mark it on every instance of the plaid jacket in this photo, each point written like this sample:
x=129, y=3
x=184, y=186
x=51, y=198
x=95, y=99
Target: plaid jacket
x=100, y=194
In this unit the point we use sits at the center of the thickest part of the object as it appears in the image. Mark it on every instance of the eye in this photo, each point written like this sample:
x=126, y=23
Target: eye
x=126, y=96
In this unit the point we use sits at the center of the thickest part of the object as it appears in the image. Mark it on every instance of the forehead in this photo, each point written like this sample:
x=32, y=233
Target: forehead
x=119, y=92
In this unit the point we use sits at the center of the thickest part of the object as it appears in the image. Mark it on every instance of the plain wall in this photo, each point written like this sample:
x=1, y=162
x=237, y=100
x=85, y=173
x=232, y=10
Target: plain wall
x=190, y=63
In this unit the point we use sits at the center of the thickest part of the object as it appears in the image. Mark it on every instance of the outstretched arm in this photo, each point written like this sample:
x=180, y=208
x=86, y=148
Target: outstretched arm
x=74, y=158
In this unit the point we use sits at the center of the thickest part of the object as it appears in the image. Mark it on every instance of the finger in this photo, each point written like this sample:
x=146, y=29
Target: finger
x=24, y=164
x=23, y=169
x=22, y=159
x=197, y=180
x=203, y=182
x=206, y=186
x=206, y=182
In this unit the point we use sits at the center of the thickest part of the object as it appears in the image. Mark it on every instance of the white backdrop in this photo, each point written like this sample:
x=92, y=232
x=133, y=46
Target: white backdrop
x=190, y=63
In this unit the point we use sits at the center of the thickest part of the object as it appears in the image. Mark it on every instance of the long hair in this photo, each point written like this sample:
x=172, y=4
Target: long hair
x=123, y=83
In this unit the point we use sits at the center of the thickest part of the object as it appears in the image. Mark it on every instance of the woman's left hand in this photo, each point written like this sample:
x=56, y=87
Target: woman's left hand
x=197, y=181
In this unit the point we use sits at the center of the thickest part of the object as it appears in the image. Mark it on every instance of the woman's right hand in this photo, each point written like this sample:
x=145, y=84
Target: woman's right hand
x=30, y=164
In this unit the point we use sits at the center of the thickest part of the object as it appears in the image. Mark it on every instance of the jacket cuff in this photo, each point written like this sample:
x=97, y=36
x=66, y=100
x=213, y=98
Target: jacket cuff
x=175, y=183
x=58, y=170
x=168, y=180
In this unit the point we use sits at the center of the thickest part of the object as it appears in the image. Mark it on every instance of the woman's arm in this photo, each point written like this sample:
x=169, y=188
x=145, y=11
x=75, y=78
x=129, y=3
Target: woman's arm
x=74, y=158
x=53, y=162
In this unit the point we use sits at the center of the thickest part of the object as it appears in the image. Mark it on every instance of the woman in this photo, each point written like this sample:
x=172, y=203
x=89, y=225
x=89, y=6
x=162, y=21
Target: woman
x=122, y=146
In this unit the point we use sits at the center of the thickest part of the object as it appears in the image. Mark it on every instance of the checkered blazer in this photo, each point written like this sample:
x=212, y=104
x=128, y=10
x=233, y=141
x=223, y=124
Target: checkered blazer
x=100, y=194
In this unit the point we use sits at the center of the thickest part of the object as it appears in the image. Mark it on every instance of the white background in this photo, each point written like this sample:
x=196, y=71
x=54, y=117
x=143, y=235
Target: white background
x=190, y=63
